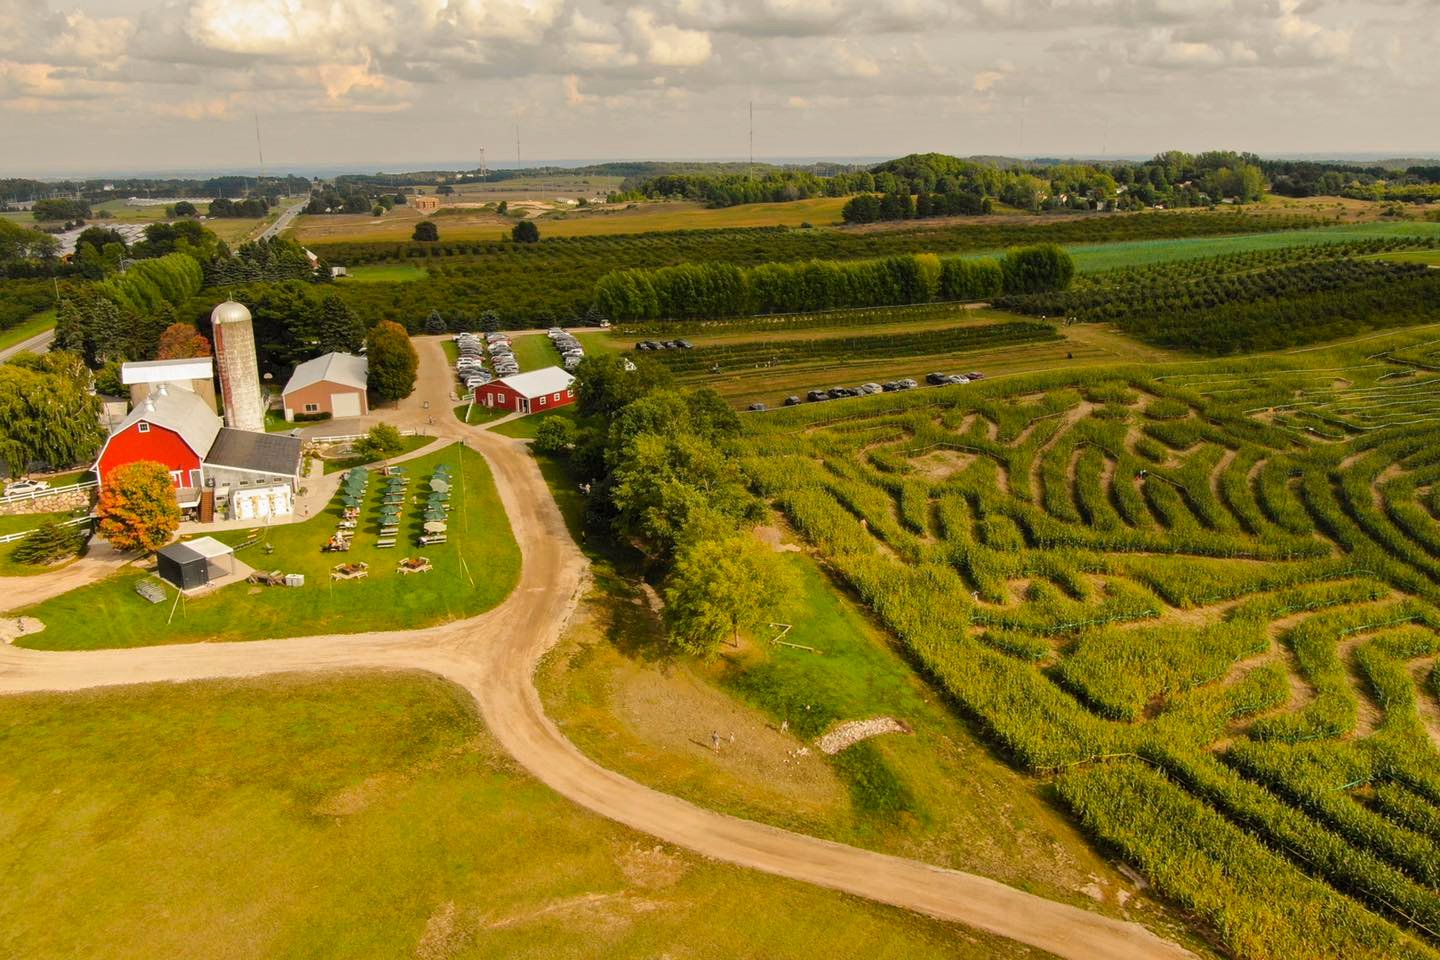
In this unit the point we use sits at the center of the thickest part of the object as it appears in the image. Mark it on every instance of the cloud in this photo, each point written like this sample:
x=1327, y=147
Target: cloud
x=667, y=45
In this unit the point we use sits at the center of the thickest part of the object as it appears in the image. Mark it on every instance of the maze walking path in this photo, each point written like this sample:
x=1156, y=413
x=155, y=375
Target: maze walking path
x=493, y=656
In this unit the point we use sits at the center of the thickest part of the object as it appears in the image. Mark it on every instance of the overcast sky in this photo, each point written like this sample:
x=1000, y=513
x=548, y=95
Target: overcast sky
x=112, y=85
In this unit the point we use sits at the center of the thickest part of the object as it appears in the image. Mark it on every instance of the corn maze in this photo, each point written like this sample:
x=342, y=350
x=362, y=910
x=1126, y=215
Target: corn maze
x=1206, y=605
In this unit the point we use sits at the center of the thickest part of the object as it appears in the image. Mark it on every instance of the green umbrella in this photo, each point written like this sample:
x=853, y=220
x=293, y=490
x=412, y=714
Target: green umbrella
x=351, y=501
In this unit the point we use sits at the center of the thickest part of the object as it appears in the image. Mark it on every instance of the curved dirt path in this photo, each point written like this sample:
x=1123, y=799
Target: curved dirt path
x=494, y=656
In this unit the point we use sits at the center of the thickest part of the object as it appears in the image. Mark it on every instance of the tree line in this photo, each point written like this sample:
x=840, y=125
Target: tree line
x=696, y=290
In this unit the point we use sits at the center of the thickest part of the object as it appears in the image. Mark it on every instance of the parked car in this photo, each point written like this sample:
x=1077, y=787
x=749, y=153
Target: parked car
x=815, y=396
x=936, y=379
x=868, y=388
x=19, y=487
x=792, y=401
x=956, y=378
x=837, y=393
x=756, y=408
x=908, y=383
x=645, y=345
x=975, y=376
x=890, y=386
x=684, y=344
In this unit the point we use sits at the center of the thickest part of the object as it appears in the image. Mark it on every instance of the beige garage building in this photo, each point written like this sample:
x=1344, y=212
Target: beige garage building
x=333, y=384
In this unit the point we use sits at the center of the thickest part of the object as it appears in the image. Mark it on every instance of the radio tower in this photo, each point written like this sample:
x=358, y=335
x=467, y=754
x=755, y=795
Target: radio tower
x=750, y=174
x=259, y=150
x=484, y=171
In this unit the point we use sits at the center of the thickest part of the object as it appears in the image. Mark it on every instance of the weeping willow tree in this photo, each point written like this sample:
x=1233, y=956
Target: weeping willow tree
x=47, y=417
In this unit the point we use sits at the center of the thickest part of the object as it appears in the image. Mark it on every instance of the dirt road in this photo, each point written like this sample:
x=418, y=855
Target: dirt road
x=494, y=657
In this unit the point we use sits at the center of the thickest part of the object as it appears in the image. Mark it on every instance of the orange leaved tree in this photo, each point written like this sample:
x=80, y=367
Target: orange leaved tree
x=138, y=509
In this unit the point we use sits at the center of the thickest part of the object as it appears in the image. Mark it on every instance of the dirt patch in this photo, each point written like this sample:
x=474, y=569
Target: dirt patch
x=445, y=934
x=942, y=464
x=1425, y=700
x=13, y=628
x=849, y=734
x=651, y=867
x=357, y=798
x=774, y=538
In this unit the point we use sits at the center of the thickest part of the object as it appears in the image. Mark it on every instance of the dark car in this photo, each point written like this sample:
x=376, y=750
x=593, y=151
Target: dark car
x=644, y=345
x=792, y=401
x=815, y=396
x=837, y=393
x=935, y=379
x=908, y=384
x=890, y=386
x=756, y=408
x=669, y=345
x=973, y=375
x=684, y=344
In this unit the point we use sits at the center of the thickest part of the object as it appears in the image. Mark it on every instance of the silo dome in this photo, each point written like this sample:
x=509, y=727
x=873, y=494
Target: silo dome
x=229, y=312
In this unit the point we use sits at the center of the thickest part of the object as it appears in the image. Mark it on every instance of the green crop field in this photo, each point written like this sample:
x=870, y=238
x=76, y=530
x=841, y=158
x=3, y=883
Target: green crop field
x=472, y=572
x=367, y=816
x=1205, y=601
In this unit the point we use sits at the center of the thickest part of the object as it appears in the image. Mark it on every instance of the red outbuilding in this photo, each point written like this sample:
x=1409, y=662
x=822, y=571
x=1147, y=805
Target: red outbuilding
x=533, y=392
x=171, y=426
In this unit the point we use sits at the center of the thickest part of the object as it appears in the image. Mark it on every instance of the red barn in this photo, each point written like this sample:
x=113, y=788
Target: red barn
x=533, y=392
x=171, y=426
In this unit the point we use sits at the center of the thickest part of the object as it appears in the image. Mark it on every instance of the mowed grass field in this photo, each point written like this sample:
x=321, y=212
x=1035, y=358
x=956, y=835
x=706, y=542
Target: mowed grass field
x=361, y=815
x=386, y=273
x=640, y=217
x=32, y=327
x=473, y=572
x=770, y=383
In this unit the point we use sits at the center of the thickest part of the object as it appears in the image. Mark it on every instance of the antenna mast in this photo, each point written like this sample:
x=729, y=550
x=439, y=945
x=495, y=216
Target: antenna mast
x=260, y=150
x=517, y=139
x=751, y=173
x=484, y=170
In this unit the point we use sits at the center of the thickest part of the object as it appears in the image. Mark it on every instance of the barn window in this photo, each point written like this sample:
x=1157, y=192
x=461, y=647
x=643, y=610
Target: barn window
x=542, y=401
x=144, y=427
x=312, y=408
x=557, y=398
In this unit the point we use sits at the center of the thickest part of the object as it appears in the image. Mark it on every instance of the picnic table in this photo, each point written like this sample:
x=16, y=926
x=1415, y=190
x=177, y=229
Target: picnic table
x=350, y=571
x=413, y=565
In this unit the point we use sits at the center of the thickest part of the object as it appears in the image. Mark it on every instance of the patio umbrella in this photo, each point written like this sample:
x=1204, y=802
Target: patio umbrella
x=435, y=526
x=434, y=515
x=397, y=469
x=439, y=485
x=350, y=501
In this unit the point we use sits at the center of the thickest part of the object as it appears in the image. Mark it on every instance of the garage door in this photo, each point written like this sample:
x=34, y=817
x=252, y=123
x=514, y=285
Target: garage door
x=345, y=405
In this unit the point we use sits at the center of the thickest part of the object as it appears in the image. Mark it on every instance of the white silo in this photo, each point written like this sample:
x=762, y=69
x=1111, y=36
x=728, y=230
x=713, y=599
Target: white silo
x=239, y=371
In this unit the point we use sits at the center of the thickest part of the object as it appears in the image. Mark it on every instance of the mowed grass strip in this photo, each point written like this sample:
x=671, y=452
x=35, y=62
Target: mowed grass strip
x=361, y=815
x=387, y=273
x=111, y=614
x=23, y=331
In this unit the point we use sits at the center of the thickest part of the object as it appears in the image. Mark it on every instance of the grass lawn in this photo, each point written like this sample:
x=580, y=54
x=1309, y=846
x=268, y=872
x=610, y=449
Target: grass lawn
x=26, y=329
x=534, y=352
x=479, y=536
x=1430, y=257
x=478, y=413
x=387, y=273
x=18, y=523
x=524, y=428
x=236, y=230
x=407, y=444
x=362, y=815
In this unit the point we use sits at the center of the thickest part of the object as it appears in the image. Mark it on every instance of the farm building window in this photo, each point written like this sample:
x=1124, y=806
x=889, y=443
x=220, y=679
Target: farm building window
x=557, y=398
x=144, y=427
x=542, y=401
x=312, y=408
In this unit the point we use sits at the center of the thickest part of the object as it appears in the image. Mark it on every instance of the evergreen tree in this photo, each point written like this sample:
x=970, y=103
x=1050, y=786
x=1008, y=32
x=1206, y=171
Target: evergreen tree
x=50, y=543
x=435, y=323
x=339, y=329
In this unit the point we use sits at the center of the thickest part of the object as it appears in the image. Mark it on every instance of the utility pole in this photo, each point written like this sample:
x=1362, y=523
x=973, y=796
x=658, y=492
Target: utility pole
x=750, y=174
x=517, y=139
x=260, y=151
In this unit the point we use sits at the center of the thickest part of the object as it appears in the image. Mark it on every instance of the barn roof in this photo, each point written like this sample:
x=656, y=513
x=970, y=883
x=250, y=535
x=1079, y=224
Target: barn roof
x=537, y=383
x=179, y=410
x=256, y=452
x=160, y=371
x=345, y=369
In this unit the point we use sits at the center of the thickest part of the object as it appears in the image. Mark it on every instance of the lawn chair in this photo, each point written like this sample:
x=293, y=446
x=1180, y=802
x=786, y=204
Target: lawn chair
x=338, y=543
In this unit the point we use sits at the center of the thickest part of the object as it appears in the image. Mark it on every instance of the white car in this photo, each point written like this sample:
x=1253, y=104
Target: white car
x=20, y=487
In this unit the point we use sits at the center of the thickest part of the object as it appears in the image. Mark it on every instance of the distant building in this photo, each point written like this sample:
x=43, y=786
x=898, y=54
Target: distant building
x=425, y=204
x=333, y=384
x=196, y=375
x=529, y=392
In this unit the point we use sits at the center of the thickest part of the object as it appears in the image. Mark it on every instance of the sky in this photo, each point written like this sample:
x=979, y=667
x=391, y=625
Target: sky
x=109, y=86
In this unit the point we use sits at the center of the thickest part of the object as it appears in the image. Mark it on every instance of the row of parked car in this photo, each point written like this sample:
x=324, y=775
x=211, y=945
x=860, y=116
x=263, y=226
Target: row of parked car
x=470, y=368
x=664, y=345
x=866, y=389
x=571, y=353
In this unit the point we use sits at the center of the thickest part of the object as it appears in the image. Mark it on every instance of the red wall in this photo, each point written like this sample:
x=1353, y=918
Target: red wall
x=500, y=395
x=161, y=445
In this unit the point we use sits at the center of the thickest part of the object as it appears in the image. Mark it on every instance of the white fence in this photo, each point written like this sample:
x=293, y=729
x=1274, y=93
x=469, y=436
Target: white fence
x=50, y=492
x=12, y=537
x=353, y=436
